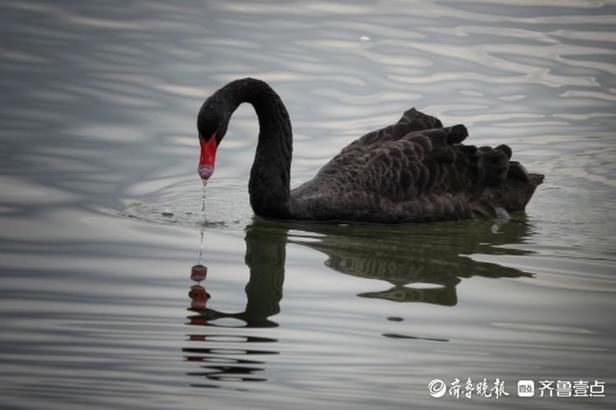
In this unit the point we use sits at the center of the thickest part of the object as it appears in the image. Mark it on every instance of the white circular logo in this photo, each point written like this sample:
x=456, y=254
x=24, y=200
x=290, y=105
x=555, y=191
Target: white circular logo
x=437, y=388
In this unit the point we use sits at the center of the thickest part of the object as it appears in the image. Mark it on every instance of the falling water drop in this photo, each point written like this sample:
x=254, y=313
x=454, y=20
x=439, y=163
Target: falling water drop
x=201, y=246
x=203, y=222
x=203, y=201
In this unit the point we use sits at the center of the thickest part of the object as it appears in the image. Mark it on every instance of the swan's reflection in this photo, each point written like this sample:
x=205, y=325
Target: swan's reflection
x=408, y=257
x=411, y=257
x=219, y=358
x=265, y=257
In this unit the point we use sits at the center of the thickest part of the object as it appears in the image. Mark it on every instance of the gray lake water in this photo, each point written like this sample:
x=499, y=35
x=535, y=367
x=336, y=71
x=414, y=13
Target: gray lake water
x=100, y=200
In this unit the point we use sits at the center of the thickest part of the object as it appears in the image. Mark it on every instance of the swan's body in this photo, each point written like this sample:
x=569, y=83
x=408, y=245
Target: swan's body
x=413, y=171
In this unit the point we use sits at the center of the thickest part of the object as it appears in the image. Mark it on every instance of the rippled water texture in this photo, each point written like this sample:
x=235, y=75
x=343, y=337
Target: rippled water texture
x=100, y=202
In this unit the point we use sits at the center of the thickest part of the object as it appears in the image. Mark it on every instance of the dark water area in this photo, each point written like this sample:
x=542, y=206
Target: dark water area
x=100, y=221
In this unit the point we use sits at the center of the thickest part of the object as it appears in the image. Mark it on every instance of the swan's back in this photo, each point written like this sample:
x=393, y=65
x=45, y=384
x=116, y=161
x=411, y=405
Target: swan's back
x=412, y=171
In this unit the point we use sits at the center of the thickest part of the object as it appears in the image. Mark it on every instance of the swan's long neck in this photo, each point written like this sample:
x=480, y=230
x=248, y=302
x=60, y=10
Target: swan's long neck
x=270, y=173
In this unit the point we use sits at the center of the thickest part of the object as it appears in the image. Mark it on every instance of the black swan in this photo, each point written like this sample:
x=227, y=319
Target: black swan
x=413, y=171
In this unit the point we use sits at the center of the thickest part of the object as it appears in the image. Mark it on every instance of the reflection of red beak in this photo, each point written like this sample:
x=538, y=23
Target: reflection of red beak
x=198, y=273
x=208, y=156
x=198, y=298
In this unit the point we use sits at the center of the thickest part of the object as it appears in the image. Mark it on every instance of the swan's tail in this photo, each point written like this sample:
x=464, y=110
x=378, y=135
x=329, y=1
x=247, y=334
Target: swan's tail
x=534, y=180
x=519, y=187
x=508, y=184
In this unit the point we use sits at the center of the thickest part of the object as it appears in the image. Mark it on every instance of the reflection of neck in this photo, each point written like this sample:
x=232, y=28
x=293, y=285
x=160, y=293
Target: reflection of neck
x=265, y=257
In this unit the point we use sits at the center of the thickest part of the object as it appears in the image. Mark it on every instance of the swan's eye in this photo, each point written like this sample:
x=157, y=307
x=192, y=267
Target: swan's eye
x=207, y=132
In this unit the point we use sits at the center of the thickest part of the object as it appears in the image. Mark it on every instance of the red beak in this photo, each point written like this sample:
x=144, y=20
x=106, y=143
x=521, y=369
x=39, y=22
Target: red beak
x=208, y=156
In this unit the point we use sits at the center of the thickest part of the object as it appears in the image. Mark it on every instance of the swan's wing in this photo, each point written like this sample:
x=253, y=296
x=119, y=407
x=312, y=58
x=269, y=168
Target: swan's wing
x=428, y=162
x=363, y=148
x=423, y=175
x=412, y=120
x=419, y=162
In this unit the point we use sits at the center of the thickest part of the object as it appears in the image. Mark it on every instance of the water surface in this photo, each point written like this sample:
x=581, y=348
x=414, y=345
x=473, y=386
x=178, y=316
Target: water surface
x=100, y=207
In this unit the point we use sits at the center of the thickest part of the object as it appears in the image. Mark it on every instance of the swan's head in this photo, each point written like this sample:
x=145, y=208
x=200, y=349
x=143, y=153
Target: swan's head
x=212, y=126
